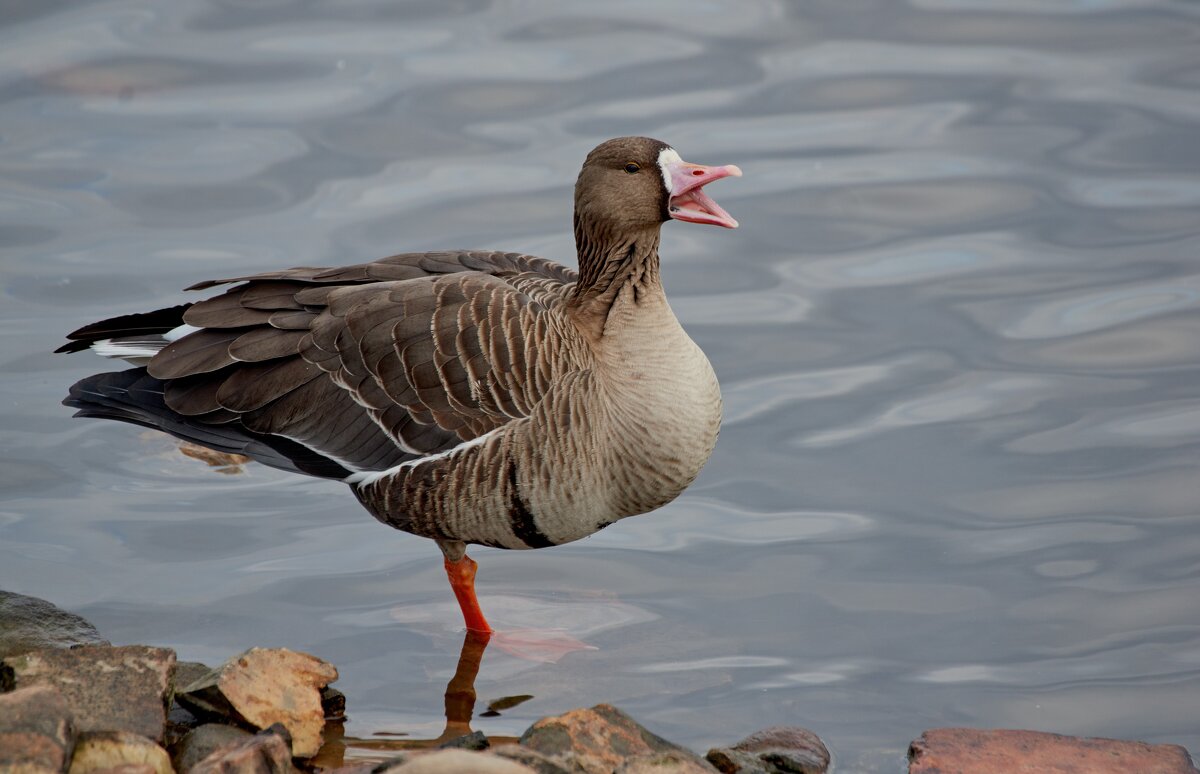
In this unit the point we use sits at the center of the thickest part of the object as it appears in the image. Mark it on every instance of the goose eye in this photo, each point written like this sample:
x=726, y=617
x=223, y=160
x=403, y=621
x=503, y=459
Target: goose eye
x=631, y=168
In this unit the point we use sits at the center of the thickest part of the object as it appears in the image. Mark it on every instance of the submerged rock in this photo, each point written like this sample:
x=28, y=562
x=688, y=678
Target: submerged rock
x=101, y=751
x=29, y=623
x=599, y=740
x=262, y=687
x=976, y=751
x=106, y=688
x=775, y=750
x=267, y=752
x=36, y=733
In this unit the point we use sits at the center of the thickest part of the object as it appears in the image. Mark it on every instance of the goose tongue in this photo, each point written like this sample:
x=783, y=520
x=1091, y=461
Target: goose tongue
x=688, y=200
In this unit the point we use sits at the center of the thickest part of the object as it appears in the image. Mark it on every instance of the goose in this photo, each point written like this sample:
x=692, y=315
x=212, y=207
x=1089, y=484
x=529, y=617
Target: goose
x=469, y=397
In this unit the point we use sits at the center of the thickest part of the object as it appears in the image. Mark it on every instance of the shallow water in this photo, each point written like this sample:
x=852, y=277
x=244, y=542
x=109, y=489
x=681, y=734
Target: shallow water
x=957, y=335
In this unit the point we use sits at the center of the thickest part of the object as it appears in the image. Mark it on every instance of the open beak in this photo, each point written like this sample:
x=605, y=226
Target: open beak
x=688, y=200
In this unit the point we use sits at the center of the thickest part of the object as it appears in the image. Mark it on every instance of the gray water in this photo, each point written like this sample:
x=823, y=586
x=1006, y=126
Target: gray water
x=957, y=335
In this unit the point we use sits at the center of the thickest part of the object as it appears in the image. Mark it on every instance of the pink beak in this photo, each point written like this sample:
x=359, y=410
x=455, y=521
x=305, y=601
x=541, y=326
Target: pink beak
x=688, y=200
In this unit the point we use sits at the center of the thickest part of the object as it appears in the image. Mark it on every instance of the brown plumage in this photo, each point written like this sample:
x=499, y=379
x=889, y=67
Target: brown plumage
x=468, y=397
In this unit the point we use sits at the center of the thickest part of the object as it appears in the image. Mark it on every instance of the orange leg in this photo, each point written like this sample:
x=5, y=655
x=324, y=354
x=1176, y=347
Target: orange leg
x=462, y=580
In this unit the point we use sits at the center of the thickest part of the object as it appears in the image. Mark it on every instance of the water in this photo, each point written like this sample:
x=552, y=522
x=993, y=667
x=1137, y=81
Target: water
x=957, y=334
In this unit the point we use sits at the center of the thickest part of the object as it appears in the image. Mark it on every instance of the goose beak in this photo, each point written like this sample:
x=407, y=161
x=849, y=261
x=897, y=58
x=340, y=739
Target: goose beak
x=688, y=201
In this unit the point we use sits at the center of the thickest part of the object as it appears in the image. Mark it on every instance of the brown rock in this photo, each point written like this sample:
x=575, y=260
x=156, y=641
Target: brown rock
x=29, y=623
x=201, y=742
x=775, y=750
x=98, y=751
x=106, y=688
x=458, y=762
x=665, y=763
x=976, y=751
x=36, y=732
x=262, y=687
x=333, y=702
x=596, y=740
x=539, y=762
x=267, y=752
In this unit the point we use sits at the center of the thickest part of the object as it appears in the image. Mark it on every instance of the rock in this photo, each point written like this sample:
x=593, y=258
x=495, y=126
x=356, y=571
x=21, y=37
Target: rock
x=538, y=762
x=201, y=742
x=188, y=672
x=262, y=687
x=665, y=763
x=775, y=750
x=29, y=623
x=97, y=751
x=976, y=751
x=267, y=752
x=472, y=741
x=457, y=762
x=179, y=719
x=36, y=733
x=597, y=740
x=333, y=703
x=106, y=688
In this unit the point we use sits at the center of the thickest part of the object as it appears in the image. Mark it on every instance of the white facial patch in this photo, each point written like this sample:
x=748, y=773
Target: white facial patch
x=668, y=156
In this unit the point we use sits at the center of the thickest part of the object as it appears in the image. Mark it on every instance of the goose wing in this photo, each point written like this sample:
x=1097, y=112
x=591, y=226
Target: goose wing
x=367, y=365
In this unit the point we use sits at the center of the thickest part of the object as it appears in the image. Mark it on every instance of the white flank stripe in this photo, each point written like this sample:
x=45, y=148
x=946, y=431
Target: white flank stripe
x=126, y=349
x=366, y=479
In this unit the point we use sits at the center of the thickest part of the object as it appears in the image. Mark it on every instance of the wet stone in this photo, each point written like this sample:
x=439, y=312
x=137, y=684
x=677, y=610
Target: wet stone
x=538, y=762
x=975, y=751
x=106, y=688
x=333, y=703
x=267, y=752
x=29, y=623
x=665, y=763
x=597, y=740
x=262, y=687
x=456, y=762
x=36, y=733
x=476, y=740
x=201, y=742
x=775, y=750
x=102, y=751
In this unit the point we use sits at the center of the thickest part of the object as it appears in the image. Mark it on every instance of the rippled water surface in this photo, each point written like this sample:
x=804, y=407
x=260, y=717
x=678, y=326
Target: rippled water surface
x=957, y=335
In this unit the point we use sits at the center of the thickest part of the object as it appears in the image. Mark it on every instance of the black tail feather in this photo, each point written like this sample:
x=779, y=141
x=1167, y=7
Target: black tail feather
x=135, y=397
x=141, y=324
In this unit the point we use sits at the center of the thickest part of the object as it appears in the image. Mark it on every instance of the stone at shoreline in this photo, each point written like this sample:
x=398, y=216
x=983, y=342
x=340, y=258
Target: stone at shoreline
x=97, y=751
x=599, y=740
x=262, y=687
x=333, y=702
x=180, y=720
x=36, y=732
x=665, y=763
x=539, y=762
x=267, y=752
x=29, y=623
x=977, y=751
x=775, y=750
x=106, y=688
x=201, y=742
x=476, y=740
x=456, y=762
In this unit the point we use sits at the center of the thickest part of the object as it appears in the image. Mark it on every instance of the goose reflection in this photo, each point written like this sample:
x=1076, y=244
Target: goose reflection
x=460, y=698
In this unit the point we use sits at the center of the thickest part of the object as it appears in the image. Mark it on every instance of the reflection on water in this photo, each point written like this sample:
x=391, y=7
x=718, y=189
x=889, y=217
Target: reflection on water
x=957, y=334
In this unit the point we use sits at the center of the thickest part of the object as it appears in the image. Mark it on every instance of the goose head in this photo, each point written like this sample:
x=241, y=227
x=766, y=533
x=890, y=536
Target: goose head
x=630, y=184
